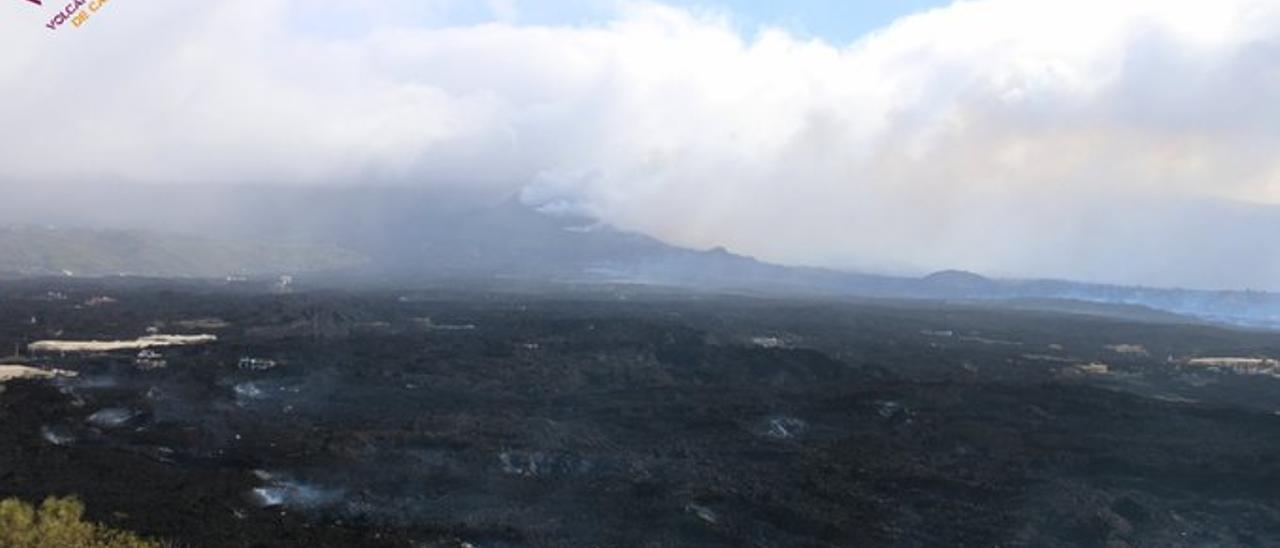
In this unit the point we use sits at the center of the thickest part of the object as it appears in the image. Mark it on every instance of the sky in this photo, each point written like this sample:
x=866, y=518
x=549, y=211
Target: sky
x=1130, y=142
x=836, y=21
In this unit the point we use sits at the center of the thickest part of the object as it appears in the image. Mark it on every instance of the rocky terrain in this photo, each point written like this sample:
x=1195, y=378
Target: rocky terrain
x=632, y=416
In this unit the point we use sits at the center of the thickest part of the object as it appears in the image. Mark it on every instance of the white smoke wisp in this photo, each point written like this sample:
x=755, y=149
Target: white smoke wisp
x=1017, y=137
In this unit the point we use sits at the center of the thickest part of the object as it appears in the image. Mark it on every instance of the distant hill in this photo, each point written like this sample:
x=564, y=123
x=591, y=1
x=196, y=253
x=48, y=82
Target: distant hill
x=60, y=251
x=405, y=236
x=958, y=280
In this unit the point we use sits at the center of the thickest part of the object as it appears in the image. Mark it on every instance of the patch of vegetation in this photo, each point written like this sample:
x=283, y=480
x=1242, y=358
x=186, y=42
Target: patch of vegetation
x=59, y=523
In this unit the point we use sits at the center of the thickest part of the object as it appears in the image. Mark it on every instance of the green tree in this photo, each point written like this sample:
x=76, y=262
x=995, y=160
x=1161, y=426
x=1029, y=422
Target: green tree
x=59, y=523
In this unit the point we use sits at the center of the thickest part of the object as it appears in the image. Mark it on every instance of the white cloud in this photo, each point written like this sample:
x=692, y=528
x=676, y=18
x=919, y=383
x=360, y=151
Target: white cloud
x=997, y=135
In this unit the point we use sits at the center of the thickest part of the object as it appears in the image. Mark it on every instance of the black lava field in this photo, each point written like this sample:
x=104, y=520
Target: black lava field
x=630, y=416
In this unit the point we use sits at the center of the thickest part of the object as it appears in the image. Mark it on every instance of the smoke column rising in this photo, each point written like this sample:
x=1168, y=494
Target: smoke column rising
x=1132, y=142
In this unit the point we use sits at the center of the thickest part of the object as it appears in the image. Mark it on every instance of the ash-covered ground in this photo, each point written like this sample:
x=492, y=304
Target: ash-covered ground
x=631, y=417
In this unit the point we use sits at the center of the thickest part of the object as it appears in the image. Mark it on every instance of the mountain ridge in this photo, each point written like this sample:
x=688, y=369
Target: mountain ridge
x=405, y=237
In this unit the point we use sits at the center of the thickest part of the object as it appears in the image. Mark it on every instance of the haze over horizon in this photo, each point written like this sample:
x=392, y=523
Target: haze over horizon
x=1134, y=143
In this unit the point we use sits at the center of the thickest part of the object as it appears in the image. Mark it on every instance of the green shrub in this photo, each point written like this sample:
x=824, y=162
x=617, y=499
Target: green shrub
x=58, y=523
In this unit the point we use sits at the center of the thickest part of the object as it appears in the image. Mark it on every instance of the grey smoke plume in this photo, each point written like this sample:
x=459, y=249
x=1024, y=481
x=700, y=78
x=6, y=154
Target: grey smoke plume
x=1129, y=142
